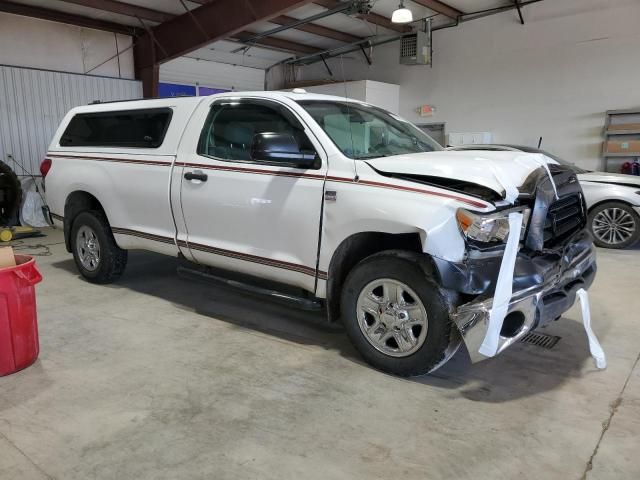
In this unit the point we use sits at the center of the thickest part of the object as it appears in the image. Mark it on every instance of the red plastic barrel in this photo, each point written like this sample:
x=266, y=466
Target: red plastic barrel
x=19, y=346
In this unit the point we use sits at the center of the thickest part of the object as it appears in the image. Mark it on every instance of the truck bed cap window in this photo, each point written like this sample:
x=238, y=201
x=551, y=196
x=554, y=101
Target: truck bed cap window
x=125, y=128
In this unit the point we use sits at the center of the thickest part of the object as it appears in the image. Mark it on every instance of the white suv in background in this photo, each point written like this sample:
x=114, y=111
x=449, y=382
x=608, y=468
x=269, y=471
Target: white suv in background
x=337, y=200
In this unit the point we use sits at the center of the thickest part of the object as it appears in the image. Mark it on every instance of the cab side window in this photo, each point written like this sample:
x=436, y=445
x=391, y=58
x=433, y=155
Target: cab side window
x=231, y=130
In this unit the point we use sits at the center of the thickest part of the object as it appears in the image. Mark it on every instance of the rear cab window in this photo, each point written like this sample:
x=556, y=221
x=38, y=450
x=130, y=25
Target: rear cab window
x=142, y=128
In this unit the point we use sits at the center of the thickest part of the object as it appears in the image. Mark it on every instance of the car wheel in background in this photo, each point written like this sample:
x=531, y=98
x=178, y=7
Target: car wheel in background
x=614, y=225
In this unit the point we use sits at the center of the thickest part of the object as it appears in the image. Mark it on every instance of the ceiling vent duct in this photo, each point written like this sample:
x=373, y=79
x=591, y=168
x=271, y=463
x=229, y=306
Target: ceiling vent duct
x=359, y=7
x=415, y=48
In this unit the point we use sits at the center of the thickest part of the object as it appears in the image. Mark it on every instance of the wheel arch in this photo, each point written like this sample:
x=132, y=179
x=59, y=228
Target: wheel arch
x=609, y=200
x=77, y=202
x=355, y=248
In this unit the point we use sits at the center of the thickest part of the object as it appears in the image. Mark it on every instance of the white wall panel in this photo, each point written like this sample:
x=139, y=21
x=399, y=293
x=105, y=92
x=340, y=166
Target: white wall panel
x=384, y=95
x=32, y=103
x=553, y=77
x=212, y=74
x=35, y=43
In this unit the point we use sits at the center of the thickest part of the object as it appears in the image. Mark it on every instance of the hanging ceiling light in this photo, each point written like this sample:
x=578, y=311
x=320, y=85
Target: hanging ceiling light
x=402, y=14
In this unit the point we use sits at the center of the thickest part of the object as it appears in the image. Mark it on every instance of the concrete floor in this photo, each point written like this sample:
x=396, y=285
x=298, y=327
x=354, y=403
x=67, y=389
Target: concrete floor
x=159, y=377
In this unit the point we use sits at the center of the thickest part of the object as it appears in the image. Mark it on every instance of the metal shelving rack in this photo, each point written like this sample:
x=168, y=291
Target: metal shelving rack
x=623, y=126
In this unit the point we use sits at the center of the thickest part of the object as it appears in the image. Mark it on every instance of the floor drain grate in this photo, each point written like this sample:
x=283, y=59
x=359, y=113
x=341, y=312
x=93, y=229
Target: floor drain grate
x=540, y=340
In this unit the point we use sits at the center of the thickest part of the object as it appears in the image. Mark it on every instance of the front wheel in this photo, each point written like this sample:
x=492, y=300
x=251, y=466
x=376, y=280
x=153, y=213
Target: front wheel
x=614, y=225
x=97, y=256
x=396, y=315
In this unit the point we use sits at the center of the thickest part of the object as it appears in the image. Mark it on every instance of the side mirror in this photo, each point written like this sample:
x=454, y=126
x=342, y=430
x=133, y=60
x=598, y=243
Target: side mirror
x=281, y=148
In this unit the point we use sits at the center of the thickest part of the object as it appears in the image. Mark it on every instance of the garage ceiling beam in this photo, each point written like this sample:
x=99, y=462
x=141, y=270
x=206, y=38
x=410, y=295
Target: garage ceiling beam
x=316, y=29
x=440, y=7
x=122, y=8
x=66, y=18
x=216, y=20
x=370, y=17
x=157, y=16
x=307, y=27
x=277, y=43
x=466, y=17
x=213, y=21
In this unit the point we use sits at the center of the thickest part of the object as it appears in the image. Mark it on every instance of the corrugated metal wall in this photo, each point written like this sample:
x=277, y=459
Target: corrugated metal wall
x=32, y=103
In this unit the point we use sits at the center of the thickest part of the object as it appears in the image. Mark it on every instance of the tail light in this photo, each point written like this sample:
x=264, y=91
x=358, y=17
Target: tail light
x=45, y=166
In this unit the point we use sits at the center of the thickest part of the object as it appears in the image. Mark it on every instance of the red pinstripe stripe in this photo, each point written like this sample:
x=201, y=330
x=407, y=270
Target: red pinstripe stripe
x=370, y=183
x=257, y=171
x=222, y=252
x=145, y=235
x=112, y=159
x=391, y=186
x=254, y=258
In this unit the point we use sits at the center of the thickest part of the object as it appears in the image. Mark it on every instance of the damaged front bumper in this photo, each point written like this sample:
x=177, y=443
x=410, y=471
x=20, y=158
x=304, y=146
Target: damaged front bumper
x=544, y=285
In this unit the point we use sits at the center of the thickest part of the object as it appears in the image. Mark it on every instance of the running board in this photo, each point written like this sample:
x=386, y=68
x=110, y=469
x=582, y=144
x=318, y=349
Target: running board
x=281, y=297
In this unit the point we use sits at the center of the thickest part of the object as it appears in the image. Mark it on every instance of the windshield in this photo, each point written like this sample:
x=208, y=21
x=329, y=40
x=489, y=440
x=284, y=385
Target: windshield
x=362, y=131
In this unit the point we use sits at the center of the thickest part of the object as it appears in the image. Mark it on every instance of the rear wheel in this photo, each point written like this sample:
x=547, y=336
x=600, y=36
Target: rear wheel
x=396, y=315
x=614, y=225
x=96, y=254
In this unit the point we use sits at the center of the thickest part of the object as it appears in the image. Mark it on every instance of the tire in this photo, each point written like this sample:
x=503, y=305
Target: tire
x=91, y=229
x=394, y=268
x=614, y=225
x=11, y=202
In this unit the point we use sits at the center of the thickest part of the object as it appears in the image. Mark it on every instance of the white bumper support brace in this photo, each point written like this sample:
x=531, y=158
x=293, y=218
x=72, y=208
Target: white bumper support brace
x=504, y=284
x=594, y=346
x=504, y=287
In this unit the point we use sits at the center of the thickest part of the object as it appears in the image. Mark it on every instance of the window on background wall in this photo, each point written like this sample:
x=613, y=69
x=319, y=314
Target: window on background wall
x=167, y=90
x=205, y=91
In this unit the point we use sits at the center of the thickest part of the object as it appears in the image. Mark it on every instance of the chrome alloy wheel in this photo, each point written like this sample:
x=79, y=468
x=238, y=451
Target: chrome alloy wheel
x=88, y=248
x=392, y=317
x=613, y=226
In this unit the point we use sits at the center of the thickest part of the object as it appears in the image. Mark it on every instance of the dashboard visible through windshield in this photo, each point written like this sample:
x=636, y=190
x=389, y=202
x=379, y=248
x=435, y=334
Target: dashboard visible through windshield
x=362, y=131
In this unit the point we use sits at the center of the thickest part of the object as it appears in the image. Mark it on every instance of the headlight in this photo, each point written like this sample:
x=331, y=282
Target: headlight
x=488, y=228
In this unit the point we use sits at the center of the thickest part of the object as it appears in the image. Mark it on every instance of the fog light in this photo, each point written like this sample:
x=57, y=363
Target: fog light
x=512, y=324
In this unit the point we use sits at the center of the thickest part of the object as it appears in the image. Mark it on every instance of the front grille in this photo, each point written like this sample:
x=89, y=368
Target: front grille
x=564, y=217
x=540, y=340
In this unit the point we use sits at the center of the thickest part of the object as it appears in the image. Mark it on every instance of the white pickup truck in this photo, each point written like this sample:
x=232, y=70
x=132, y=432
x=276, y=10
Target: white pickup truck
x=341, y=201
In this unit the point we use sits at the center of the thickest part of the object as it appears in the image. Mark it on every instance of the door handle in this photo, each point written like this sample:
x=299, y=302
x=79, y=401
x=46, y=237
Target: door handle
x=196, y=175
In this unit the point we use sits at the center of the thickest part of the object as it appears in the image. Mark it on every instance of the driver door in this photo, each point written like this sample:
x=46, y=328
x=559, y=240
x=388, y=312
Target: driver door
x=259, y=216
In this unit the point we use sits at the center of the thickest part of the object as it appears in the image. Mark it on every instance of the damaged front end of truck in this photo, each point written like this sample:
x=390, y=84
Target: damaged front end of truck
x=554, y=257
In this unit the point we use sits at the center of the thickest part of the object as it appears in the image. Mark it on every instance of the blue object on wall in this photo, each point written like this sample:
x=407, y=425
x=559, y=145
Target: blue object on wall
x=204, y=91
x=166, y=90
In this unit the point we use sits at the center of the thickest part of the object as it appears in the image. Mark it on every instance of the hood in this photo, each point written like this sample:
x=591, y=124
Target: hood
x=499, y=171
x=613, y=178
